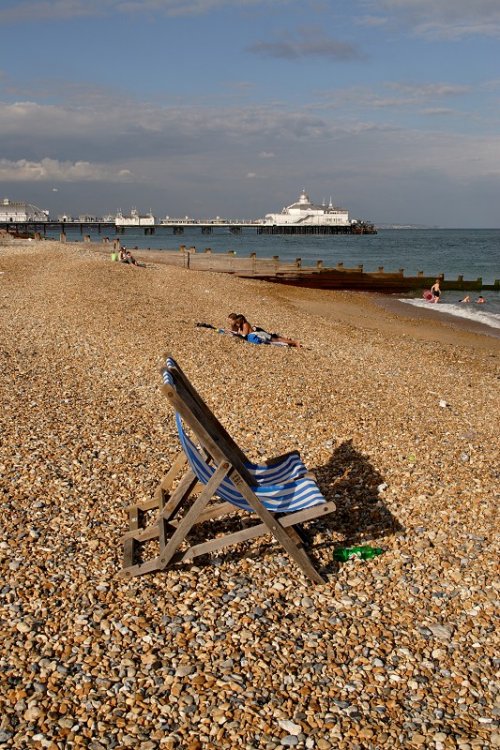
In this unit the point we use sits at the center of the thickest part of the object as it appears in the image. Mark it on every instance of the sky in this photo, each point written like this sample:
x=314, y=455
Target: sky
x=231, y=108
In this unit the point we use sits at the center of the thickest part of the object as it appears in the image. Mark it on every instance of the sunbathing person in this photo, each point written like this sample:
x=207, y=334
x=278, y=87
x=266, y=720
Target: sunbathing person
x=239, y=325
x=127, y=257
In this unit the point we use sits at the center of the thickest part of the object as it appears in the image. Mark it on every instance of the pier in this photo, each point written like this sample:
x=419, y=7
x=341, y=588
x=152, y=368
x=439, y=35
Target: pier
x=178, y=227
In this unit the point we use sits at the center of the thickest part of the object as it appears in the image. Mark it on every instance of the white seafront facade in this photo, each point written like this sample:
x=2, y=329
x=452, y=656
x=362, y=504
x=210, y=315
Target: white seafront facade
x=14, y=212
x=305, y=213
x=135, y=219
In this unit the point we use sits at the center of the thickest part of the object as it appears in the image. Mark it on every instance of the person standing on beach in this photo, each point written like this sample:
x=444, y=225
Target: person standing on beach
x=436, y=291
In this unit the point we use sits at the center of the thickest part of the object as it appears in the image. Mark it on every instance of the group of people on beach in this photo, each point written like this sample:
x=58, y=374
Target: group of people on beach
x=240, y=326
x=436, y=294
x=480, y=300
x=127, y=257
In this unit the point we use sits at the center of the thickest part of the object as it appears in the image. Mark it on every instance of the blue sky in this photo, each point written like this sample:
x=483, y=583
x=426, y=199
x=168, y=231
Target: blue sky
x=231, y=108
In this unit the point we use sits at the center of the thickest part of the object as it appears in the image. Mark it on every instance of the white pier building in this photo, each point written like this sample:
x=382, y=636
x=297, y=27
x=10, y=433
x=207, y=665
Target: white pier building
x=304, y=213
x=13, y=212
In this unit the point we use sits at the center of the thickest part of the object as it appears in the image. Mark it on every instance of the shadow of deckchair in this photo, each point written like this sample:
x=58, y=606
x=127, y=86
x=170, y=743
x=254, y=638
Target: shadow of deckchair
x=351, y=480
x=280, y=493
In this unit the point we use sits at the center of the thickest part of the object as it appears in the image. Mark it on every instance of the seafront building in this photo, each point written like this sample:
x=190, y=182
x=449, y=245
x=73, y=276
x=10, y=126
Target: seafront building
x=12, y=212
x=305, y=213
x=135, y=219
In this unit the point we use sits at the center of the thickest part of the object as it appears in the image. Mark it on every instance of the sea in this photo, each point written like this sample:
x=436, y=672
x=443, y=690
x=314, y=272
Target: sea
x=471, y=253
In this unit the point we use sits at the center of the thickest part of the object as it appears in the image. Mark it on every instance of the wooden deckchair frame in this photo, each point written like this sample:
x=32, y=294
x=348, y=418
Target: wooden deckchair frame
x=175, y=517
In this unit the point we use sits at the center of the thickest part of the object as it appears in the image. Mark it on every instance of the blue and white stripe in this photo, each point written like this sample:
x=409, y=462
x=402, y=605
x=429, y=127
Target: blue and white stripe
x=278, y=498
x=289, y=468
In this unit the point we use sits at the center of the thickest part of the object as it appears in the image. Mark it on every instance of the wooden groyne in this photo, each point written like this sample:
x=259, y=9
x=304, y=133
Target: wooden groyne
x=318, y=276
x=292, y=272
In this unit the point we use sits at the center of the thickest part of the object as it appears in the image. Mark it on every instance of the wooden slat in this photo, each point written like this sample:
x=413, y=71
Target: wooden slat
x=166, y=483
x=188, y=521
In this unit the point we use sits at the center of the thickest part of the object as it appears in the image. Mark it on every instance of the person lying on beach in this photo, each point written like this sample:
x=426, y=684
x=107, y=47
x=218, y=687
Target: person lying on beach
x=239, y=324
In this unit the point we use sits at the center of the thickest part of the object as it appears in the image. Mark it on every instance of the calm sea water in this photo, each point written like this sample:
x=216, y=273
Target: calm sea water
x=472, y=253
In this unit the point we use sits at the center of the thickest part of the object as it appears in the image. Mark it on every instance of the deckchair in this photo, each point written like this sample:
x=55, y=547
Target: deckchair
x=279, y=494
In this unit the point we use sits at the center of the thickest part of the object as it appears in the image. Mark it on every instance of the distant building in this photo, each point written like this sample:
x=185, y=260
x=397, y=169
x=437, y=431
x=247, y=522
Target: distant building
x=135, y=219
x=16, y=212
x=305, y=213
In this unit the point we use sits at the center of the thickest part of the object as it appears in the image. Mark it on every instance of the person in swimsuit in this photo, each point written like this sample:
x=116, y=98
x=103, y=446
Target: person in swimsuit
x=436, y=291
x=239, y=324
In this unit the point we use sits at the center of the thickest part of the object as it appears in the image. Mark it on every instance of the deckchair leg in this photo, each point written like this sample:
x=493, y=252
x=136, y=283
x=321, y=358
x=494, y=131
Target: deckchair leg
x=282, y=535
x=158, y=530
x=186, y=524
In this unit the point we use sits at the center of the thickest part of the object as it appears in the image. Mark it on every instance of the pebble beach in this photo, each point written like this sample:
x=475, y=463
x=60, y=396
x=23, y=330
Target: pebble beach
x=396, y=415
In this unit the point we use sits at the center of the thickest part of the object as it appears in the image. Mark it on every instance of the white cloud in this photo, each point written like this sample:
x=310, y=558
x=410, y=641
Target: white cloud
x=24, y=170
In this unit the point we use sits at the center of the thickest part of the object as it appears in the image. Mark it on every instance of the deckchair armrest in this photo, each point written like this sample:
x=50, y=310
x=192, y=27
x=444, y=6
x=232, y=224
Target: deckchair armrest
x=279, y=459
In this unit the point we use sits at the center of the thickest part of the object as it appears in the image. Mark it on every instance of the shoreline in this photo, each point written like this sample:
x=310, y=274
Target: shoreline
x=438, y=324
x=372, y=310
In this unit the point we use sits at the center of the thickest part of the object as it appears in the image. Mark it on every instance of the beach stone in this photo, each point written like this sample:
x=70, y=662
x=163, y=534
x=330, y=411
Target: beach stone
x=443, y=632
x=290, y=741
x=290, y=727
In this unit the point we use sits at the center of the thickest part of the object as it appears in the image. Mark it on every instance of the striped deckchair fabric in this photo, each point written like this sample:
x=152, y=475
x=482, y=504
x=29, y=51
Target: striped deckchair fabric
x=279, y=469
x=280, y=494
x=278, y=498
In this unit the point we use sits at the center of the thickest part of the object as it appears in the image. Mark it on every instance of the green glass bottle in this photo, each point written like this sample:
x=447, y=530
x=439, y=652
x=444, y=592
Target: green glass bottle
x=366, y=553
